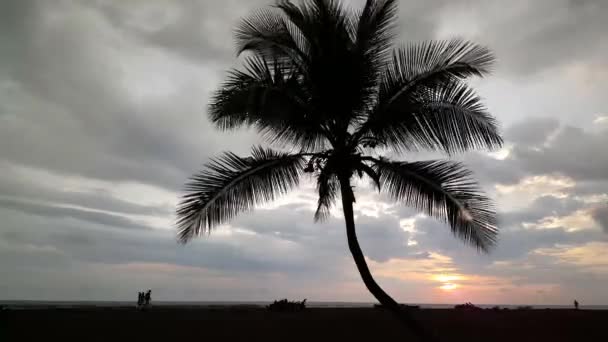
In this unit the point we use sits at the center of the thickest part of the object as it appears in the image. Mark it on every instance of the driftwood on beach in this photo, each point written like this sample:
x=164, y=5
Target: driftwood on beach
x=285, y=305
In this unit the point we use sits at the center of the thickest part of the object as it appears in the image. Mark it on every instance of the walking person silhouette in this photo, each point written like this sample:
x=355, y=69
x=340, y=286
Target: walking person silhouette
x=148, y=297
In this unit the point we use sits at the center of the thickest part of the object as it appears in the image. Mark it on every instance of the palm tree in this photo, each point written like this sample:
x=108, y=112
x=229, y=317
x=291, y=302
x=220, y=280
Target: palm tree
x=326, y=86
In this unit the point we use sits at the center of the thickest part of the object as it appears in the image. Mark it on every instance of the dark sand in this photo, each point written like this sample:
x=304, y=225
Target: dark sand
x=240, y=324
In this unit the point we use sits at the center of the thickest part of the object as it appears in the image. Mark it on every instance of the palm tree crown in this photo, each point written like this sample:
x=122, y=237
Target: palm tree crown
x=327, y=83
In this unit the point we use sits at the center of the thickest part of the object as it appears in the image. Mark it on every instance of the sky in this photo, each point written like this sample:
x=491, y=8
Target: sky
x=103, y=118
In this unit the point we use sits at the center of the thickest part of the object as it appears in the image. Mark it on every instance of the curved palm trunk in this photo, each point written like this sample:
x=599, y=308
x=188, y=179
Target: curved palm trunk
x=373, y=287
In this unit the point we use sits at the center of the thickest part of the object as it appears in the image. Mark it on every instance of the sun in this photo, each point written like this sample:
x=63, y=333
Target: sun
x=448, y=281
x=449, y=287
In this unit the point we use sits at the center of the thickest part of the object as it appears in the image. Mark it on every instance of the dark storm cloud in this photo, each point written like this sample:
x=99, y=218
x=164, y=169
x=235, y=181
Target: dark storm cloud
x=190, y=28
x=86, y=104
x=532, y=36
x=68, y=102
x=550, y=32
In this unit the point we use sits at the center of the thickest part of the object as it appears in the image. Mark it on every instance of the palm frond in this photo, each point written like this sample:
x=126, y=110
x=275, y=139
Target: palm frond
x=447, y=116
x=315, y=17
x=268, y=34
x=373, y=41
x=231, y=184
x=336, y=75
x=375, y=29
x=270, y=97
x=444, y=190
x=433, y=62
x=328, y=187
x=363, y=168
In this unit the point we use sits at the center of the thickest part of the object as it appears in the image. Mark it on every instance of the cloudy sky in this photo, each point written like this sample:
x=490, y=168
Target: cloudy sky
x=102, y=119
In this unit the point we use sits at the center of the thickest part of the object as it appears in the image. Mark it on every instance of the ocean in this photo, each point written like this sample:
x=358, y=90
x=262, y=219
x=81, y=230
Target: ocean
x=30, y=304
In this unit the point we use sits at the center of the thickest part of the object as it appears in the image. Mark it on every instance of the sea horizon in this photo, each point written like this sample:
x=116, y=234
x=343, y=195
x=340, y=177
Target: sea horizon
x=54, y=304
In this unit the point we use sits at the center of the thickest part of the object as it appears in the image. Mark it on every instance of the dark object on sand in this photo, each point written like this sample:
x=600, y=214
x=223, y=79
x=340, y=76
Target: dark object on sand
x=499, y=309
x=575, y=304
x=524, y=307
x=223, y=324
x=402, y=306
x=410, y=307
x=285, y=305
x=468, y=306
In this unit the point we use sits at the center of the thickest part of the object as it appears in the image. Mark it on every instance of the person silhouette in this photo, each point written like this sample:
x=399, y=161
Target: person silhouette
x=148, y=297
x=575, y=304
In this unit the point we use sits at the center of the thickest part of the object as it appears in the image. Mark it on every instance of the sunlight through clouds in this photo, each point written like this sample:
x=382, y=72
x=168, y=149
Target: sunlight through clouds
x=521, y=194
x=501, y=154
x=579, y=220
x=418, y=269
x=538, y=186
x=591, y=257
x=449, y=286
x=601, y=120
x=448, y=281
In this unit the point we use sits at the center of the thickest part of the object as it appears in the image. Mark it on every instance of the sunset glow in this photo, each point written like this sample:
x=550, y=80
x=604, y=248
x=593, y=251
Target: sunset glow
x=446, y=278
x=448, y=287
x=448, y=281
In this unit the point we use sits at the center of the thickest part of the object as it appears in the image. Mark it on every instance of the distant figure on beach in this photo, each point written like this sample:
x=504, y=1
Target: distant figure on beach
x=575, y=304
x=148, y=297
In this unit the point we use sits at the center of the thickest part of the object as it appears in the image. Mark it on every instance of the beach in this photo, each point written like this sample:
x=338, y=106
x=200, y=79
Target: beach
x=255, y=323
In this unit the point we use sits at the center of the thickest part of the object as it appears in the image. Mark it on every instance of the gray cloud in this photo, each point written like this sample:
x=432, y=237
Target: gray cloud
x=193, y=29
x=381, y=238
x=572, y=152
x=530, y=37
x=541, y=207
x=75, y=213
x=600, y=214
x=532, y=132
x=77, y=80
x=490, y=171
x=109, y=243
x=541, y=146
x=13, y=186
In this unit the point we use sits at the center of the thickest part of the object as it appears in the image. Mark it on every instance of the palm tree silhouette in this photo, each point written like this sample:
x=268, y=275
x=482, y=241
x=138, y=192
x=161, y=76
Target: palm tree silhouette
x=327, y=84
